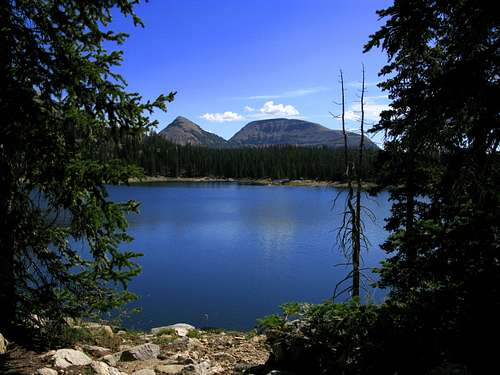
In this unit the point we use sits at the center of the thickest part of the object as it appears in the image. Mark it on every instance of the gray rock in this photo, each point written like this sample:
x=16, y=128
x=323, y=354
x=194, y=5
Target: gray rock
x=69, y=357
x=97, y=351
x=3, y=344
x=102, y=368
x=181, y=359
x=144, y=371
x=141, y=352
x=111, y=359
x=181, y=329
x=169, y=369
x=202, y=368
x=46, y=371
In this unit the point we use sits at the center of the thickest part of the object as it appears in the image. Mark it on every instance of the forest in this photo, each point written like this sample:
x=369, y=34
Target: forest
x=160, y=157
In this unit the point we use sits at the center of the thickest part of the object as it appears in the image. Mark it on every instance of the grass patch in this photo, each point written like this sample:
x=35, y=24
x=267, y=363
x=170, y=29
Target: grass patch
x=165, y=331
x=194, y=334
x=164, y=340
x=211, y=330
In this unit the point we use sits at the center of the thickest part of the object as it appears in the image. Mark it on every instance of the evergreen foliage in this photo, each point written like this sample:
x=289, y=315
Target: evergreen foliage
x=159, y=157
x=59, y=99
x=441, y=167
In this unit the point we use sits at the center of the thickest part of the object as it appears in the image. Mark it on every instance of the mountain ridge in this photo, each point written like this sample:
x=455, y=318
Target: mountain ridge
x=184, y=131
x=265, y=132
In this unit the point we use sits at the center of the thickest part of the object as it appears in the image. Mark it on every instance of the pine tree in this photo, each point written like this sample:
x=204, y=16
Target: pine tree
x=441, y=165
x=60, y=100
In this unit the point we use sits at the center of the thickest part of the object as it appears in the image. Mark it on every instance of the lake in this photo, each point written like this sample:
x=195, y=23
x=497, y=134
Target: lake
x=223, y=255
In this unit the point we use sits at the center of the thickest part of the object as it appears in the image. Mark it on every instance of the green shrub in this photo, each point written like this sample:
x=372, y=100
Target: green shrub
x=164, y=340
x=211, y=329
x=194, y=334
x=328, y=337
x=165, y=331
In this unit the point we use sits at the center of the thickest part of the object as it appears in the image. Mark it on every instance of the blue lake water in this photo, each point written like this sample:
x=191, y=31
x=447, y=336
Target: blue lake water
x=223, y=255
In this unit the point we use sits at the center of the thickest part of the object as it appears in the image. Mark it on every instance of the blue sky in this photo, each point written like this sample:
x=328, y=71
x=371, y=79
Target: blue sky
x=234, y=61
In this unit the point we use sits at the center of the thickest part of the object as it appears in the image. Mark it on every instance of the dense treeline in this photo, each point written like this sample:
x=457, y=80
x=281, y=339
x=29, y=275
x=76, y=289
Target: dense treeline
x=159, y=157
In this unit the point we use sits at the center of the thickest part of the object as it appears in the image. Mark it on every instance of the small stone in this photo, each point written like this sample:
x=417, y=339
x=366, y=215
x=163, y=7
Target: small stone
x=111, y=359
x=50, y=353
x=108, y=331
x=144, y=371
x=69, y=357
x=46, y=371
x=217, y=369
x=101, y=368
x=169, y=369
x=3, y=344
x=97, y=351
x=257, y=339
x=201, y=368
x=182, y=359
x=223, y=356
x=194, y=355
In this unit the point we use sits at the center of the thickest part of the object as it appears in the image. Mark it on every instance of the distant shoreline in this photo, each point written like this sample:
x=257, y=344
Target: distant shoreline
x=245, y=181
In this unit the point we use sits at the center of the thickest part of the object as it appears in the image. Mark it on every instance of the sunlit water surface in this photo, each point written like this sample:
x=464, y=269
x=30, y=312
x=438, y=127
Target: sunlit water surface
x=222, y=255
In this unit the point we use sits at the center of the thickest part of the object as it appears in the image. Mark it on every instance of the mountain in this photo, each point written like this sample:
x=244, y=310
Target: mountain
x=183, y=131
x=282, y=131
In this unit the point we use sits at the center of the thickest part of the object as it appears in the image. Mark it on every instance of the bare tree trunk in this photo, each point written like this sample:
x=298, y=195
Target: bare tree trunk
x=355, y=234
x=356, y=248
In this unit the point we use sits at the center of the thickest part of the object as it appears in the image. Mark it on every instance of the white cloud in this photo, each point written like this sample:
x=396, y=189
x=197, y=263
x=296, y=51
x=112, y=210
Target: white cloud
x=269, y=108
x=372, y=112
x=222, y=117
x=358, y=84
x=249, y=109
x=288, y=94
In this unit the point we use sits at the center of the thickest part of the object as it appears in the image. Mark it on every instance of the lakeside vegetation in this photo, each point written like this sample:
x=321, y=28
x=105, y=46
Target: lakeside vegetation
x=160, y=157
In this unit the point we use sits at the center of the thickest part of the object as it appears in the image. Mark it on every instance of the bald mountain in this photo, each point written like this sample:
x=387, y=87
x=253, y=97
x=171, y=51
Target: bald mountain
x=279, y=131
x=185, y=132
x=283, y=131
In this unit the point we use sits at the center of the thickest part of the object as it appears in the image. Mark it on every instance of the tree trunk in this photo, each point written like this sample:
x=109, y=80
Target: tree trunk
x=7, y=250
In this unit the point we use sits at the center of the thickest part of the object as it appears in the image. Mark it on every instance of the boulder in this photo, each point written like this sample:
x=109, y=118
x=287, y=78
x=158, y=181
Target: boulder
x=3, y=344
x=69, y=357
x=46, y=371
x=140, y=352
x=181, y=329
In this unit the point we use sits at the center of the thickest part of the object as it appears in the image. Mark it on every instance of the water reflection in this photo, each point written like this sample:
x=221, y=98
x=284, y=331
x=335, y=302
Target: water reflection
x=225, y=254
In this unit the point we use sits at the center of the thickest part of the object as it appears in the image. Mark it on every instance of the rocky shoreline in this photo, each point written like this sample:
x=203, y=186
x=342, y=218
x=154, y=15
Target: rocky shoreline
x=175, y=349
x=244, y=181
